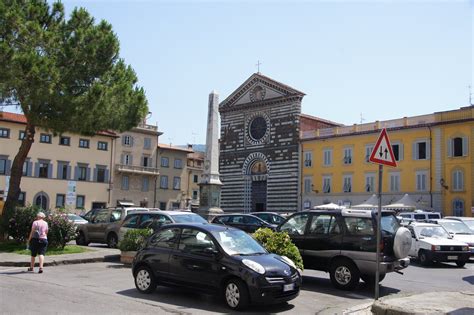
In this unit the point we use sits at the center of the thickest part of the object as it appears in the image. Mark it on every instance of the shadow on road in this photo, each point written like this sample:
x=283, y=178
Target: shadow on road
x=437, y=265
x=183, y=299
x=469, y=279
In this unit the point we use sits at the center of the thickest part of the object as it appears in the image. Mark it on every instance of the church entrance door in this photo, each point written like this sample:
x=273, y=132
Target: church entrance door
x=259, y=196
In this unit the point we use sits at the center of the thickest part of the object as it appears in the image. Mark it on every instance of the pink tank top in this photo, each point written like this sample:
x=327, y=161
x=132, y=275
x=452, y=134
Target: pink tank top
x=42, y=227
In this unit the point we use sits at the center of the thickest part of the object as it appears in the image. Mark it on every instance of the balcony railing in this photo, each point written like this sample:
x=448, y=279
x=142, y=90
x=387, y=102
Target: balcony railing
x=124, y=168
x=147, y=127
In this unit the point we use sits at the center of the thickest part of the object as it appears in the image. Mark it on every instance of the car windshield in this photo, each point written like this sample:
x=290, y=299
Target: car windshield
x=389, y=224
x=432, y=231
x=74, y=217
x=236, y=242
x=470, y=224
x=456, y=227
x=188, y=218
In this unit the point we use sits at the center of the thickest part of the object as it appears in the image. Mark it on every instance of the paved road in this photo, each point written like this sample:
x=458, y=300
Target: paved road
x=106, y=288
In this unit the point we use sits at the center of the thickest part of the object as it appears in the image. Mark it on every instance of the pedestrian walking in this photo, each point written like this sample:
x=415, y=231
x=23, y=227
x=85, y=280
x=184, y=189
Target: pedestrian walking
x=38, y=241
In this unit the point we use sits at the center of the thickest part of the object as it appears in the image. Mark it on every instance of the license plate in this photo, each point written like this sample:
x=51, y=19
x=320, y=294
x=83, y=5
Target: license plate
x=453, y=257
x=288, y=287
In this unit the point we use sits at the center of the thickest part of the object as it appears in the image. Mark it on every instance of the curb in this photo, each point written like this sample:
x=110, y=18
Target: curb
x=107, y=258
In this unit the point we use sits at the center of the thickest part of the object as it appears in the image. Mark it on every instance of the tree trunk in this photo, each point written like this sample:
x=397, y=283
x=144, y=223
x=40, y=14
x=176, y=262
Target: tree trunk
x=17, y=173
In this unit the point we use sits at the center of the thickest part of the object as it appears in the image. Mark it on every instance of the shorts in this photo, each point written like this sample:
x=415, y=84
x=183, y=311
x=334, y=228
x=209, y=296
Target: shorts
x=38, y=246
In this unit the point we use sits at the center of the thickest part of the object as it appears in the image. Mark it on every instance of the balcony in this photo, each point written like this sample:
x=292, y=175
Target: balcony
x=135, y=169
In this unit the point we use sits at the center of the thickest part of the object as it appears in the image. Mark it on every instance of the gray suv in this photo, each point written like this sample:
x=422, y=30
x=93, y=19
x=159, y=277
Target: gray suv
x=103, y=226
x=344, y=243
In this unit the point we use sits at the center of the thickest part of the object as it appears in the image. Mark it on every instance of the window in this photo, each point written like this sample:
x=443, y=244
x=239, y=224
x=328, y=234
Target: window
x=178, y=163
x=62, y=170
x=82, y=173
x=165, y=162
x=347, y=156
x=307, y=184
x=22, y=198
x=127, y=159
x=25, y=168
x=347, y=184
x=84, y=143
x=64, y=141
x=359, y=226
x=80, y=201
x=147, y=143
x=323, y=225
x=176, y=183
x=458, y=207
x=458, y=180
x=125, y=182
x=296, y=225
x=397, y=151
x=327, y=157
x=458, y=147
x=368, y=151
x=127, y=141
x=43, y=170
x=395, y=182
x=145, y=183
x=421, y=150
x=195, y=242
x=162, y=205
x=45, y=138
x=4, y=133
x=421, y=180
x=369, y=183
x=195, y=194
x=102, y=145
x=22, y=135
x=101, y=177
x=3, y=166
x=165, y=239
x=146, y=161
x=195, y=178
x=60, y=200
x=164, y=182
x=326, y=184
x=131, y=221
x=308, y=159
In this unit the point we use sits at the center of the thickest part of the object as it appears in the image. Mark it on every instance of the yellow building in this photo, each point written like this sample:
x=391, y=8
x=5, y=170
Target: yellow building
x=433, y=152
x=67, y=170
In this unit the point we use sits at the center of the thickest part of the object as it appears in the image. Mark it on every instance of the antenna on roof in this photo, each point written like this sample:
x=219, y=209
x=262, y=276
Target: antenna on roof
x=470, y=96
x=194, y=137
x=169, y=139
x=362, y=119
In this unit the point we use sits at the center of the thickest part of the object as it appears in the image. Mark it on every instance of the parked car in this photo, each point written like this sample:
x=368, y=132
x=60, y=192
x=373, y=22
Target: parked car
x=75, y=219
x=418, y=215
x=103, y=226
x=432, y=243
x=469, y=221
x=245, y=222
x=216, y=259
x=344, y=242
x=269, y=217
x=459, y=231
x=91, y=213
x=156, y=219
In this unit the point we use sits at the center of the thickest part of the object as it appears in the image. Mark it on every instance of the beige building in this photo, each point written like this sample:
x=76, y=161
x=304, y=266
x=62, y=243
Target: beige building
x=180, y=173
x=66, y=171
x=135, y=167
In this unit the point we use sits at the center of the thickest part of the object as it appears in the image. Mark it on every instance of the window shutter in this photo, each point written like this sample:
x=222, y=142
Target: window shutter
x=131, y=159
x=50, y=170
x=142, y=158
x=95, y=174
x=414, y=151
x=131, y=141
x=68, y=175
x=465, y=146
x=121, y=159
x=400, y=152
x=30, y=168
x=123, y=140
x=106, y=176
x=428, y=149
x=450, y=147
x=76, y=172
x=150, y=162
x=88, y=174
x=461, y=180
x=8, y=167
x=58, y=172
x=37, y=169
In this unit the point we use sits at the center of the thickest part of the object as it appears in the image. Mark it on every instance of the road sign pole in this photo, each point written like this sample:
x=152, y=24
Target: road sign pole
x=379, y=220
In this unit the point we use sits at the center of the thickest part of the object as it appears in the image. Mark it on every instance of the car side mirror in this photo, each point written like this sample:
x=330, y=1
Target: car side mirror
x=212, y=252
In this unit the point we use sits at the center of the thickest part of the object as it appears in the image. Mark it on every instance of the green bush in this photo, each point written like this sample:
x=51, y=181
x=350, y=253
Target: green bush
x=279, y=243
x=60, y=230
x=134, y=239
x=19, y=223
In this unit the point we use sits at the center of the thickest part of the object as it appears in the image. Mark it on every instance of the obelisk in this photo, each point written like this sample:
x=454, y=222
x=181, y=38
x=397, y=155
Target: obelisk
x=210, y=185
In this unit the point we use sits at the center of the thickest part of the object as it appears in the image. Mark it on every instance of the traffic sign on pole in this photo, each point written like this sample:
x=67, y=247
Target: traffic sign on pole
x=382, y=152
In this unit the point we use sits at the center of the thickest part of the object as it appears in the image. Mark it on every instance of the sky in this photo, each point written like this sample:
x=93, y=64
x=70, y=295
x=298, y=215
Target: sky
x=356, y=61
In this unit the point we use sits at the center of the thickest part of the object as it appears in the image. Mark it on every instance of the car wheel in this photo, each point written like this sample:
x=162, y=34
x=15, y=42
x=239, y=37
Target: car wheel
x=236, y=294
x=370, y=279
x=423, y=258
x=145, y=281
x=460, y=263
x=81, y=239
x=112, y=240
x=344, y=274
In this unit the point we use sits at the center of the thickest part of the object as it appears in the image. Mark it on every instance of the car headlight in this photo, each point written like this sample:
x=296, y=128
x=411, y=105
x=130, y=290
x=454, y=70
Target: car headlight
x=255, y=266
x=435, y=247
x=288, y=261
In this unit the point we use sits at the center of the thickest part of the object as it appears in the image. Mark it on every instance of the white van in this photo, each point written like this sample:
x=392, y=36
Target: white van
x=419, y=215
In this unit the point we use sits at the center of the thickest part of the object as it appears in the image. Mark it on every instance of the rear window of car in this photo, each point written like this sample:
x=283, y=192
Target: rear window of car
x=188, y=218
x=359, y=226
x=434, y=216
x=131, y=221
x=419, y=217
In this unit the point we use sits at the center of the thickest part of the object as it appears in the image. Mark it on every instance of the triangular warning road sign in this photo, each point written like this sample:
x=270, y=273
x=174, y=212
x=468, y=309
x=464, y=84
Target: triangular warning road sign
x=382, y=152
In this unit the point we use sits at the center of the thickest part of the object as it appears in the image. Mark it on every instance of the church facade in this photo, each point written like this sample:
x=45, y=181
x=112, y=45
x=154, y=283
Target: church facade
x=259, y=147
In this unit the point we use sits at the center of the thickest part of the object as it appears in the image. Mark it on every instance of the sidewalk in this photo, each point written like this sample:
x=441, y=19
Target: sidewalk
x=96, y=254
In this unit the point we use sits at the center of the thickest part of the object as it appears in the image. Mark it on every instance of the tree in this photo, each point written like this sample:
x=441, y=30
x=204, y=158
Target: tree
x=64, y=74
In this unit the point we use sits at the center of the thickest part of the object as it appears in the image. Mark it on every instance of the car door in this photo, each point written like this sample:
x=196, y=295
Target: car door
x=296, y=226
x=97, y=225
x=159, y=249
x=195, y=261
x=322, y=241
x=359, y=241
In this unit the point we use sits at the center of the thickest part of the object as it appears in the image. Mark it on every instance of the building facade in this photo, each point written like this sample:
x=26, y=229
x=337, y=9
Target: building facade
x=434, y=162
x=135, y=167
x=65, y=171
x=195, y=168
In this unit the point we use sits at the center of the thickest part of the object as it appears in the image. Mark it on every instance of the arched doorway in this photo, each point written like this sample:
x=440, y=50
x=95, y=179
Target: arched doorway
x=41, y=200
x=258, y=172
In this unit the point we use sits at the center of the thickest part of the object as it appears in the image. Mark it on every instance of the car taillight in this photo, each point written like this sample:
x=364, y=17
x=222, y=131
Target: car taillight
x=435, y=247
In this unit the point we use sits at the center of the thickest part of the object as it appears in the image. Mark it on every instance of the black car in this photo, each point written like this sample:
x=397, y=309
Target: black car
x=270, y=217
x=343, y=243
x=247, y=222
x=215, y=258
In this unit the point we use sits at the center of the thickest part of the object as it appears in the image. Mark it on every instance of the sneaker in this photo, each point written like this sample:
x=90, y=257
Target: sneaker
x=40, y=270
